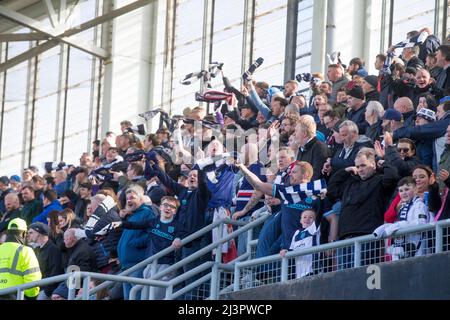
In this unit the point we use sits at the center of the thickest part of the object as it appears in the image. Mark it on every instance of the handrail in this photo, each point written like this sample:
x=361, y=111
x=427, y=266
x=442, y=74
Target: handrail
x=209, y=248
x=168, y=250
x=123, y=276
x=80, y=275
x=339, y=244
x=344, y=243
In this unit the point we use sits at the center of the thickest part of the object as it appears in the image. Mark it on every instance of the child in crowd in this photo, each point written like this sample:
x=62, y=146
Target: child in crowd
x=413, y=211
x=306, y=237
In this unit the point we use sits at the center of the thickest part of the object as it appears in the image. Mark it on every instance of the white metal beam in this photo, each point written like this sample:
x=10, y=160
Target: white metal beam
x=36, y=25
x=84, y=26
x=62, y=11
x=51, y=13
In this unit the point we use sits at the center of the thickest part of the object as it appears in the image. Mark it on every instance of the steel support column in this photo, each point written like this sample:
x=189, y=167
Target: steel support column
x=291, y=40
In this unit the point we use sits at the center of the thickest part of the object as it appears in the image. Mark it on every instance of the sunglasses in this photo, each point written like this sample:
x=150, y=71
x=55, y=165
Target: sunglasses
x=405, y=150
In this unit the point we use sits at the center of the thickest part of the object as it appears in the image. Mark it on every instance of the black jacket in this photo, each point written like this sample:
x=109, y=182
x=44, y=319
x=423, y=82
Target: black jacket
x=363, y=201
x=82, y=256
x=359, y=119
x=415, y=63
x=156, y=193
x=50, y=263
x=374, y=131
x=409, y=119
x=193, y=203
x=80, y=207
x=404, y=167
x=337, y=160
x=430, y=45
x=373, y=95
x=103, y=244
x=443, y=80
x=7, y=217
x=316, y=153
x=30, y=210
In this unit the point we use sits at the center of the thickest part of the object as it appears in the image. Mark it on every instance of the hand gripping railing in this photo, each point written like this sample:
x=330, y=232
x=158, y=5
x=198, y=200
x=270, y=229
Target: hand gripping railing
x=356, y=242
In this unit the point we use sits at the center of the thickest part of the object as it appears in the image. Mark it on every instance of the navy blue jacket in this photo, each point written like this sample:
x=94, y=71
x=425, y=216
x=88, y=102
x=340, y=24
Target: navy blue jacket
x=359, y=118
x=162, y=235
x=338, y=162
x=432, y=130
x=193, y=203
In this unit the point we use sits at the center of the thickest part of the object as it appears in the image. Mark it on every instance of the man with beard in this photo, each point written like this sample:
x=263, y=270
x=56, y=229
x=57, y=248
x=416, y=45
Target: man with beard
x=31, y=206
x=287, y=127
x=12, y=205
x=336, y=76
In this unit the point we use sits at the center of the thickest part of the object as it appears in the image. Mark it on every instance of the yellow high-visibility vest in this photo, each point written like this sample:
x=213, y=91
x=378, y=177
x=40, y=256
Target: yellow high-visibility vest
x=18, y=265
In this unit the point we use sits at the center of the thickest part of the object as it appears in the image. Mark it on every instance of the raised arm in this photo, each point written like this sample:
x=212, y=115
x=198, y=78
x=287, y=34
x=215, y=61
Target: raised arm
x=264, y=187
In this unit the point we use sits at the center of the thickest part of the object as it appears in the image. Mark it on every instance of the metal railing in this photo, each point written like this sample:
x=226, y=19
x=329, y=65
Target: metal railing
x=148, y=285
x=217, y=266
x=243, y=273
x=349, y=253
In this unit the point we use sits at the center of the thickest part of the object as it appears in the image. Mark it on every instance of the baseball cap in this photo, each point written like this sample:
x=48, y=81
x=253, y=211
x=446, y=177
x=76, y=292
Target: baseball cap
x=355, y=91
x=15, y=178
x=444, y=99
x=232, y=115
x=4, y=180
x=392, y=114
x=362, y=72
x=427, y=114
x=372, y=80
x=41, y=228
x=17, y=224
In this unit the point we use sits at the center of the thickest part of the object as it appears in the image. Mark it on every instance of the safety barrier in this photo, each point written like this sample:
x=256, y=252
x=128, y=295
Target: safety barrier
x=344, y=254
x=149, y=285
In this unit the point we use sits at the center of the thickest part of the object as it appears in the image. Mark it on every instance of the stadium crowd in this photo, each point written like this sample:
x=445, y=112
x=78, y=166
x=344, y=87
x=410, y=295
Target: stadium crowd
x=362, y=154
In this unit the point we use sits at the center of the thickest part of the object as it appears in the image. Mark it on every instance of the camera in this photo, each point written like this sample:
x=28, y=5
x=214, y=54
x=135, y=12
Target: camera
x=252, y=68
x=101, y=174
x=139, y=129
x=135, y=156
x=50, y=166
x=307, y=77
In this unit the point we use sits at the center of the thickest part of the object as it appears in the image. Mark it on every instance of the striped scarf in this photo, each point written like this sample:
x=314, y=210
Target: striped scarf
x=297, y=193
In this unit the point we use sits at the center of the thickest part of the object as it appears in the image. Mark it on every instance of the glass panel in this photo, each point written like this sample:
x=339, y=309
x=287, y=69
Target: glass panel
x=188, y=52
x=78, y=106
x=45, y=113
x=270, y=40
x=304, y=39
x=227, y=40
x=411, y=15
x=12, y=152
